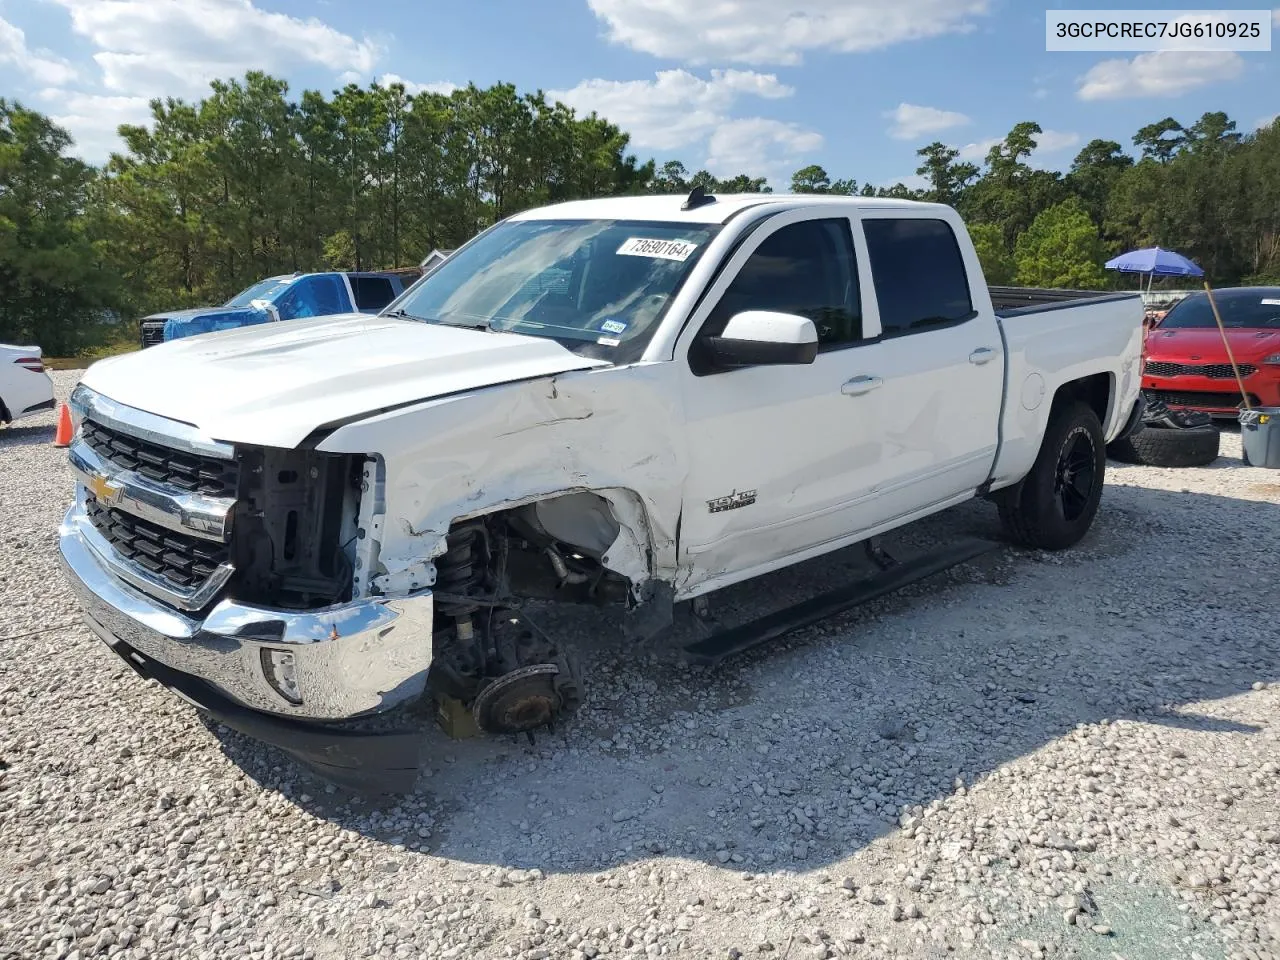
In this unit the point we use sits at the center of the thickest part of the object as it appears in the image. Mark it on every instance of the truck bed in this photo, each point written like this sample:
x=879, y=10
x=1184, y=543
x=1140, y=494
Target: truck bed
x=1017, y=301
x=1056, y=337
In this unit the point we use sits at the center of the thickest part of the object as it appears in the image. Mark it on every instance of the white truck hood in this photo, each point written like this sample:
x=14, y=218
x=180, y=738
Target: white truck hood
x=274, y=384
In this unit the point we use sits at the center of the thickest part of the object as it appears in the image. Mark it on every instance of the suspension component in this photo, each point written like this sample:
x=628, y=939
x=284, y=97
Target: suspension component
x=494, y=662
x=461, y=570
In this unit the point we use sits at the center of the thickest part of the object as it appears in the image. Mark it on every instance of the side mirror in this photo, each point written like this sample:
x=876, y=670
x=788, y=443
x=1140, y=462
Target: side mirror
x=267, y=307
x=762, y=337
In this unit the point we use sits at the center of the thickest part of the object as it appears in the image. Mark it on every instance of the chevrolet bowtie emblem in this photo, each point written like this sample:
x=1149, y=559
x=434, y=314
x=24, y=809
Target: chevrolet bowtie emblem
x=104, y=489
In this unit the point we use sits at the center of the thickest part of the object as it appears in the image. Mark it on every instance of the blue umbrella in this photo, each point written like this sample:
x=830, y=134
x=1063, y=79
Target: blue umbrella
x=1155, y=262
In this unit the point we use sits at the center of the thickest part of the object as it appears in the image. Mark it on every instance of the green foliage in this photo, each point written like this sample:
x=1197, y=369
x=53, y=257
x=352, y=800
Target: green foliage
x=250, y=182
x=813, y=179
x=1205, y=190
x=1012, y=192
x=57, y=289
x=947, y=179
x=1094, y=174
x=673, y=178
x=1061, y=249
x=997, y=262
x=1160, y=141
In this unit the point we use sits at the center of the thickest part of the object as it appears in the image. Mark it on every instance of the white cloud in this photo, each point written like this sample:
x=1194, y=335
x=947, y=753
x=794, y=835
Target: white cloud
x=676, y=109
x=910, y=122
x=93, y=119
x=1053, y=141
x=413, y=89
x=1264, y=122
x=41, y=66
x=977, y=152
x=759, y=146
x=1166, y=73
x=175, y=47
x=777, y=31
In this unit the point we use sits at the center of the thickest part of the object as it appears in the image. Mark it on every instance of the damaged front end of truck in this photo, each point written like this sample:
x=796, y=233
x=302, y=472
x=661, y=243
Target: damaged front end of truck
x=296, y=594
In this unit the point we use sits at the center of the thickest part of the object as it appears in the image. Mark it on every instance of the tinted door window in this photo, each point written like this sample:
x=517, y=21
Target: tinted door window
x=807, y=269
x=918, y=273
x=316, y=296
x=372, y=293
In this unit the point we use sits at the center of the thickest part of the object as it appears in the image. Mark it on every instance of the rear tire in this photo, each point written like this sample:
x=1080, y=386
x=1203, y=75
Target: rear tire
x=1054, y=505
x=1168, y=446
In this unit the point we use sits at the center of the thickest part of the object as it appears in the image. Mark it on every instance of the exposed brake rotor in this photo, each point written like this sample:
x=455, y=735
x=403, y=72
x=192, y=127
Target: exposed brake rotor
x=519, y=701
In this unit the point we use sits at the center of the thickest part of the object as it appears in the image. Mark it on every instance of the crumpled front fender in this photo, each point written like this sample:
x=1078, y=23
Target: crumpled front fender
x=611, y=432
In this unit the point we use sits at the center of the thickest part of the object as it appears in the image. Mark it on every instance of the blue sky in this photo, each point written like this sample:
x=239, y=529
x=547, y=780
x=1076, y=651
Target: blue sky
x=757, y=86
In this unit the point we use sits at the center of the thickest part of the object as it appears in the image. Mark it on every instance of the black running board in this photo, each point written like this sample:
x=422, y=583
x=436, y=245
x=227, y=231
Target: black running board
x=808, y=612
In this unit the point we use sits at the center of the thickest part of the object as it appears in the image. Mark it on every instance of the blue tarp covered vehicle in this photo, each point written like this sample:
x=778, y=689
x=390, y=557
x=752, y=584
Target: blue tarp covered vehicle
x=282, y=298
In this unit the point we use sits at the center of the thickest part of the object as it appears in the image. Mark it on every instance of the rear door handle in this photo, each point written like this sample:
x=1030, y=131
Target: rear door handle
x=860, y=385
x=981, y=355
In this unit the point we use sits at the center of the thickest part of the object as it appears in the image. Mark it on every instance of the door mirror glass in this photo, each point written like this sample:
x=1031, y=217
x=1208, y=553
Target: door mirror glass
x=762, y=337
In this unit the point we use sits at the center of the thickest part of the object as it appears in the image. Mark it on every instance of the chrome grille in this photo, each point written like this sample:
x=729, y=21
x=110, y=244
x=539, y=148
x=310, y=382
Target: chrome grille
x=1214, y=371
x=183, y=560
x=186, y=471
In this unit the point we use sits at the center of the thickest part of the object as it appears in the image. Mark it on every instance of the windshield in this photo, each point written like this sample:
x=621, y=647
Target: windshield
x=600, y=287
x=1252, y=309
x=262, y=290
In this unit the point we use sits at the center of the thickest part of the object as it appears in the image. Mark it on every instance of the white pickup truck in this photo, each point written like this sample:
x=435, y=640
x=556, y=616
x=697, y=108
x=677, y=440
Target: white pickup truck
x=635, y=400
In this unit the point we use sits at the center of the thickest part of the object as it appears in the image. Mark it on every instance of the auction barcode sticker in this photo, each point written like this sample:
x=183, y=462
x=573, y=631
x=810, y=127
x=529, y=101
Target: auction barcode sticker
x=1139, y=30
x=659, y=249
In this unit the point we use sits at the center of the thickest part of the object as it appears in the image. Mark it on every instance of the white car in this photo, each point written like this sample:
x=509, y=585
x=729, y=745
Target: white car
x=25, y=386
x=632, y=401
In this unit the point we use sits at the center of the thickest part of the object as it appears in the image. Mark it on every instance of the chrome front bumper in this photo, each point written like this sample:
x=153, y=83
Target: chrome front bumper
x=350, y=660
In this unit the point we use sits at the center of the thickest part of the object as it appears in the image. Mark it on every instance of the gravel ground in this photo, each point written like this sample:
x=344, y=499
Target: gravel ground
x=1032, y=755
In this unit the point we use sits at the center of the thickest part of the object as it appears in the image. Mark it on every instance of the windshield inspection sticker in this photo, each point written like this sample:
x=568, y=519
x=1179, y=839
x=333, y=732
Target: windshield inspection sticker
x=613, y=326
x=658, y=249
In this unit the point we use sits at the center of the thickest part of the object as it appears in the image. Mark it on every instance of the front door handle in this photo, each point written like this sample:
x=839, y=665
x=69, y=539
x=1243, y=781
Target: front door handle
x=860, y=385
x=981, y=355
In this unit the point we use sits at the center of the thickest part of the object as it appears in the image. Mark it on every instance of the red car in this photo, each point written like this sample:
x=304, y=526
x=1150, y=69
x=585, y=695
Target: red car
x=1185, y=363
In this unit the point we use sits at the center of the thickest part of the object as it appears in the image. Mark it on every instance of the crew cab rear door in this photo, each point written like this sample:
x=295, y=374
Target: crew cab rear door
x=937, y=364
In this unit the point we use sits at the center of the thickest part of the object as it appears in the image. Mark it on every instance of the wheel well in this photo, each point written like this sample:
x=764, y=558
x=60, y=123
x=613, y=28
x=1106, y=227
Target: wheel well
x=1094, y=390
x=596, y=540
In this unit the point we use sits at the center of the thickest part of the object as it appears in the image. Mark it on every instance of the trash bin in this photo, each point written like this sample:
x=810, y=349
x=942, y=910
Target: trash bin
x=1260, y=436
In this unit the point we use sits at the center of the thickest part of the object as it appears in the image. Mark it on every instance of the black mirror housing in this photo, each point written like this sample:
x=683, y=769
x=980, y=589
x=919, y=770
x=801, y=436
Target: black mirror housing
x=728, y=353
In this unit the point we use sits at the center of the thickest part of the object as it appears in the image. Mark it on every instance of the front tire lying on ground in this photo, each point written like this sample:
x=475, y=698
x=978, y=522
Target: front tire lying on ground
x=1164, y=446
x=1053, y=507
